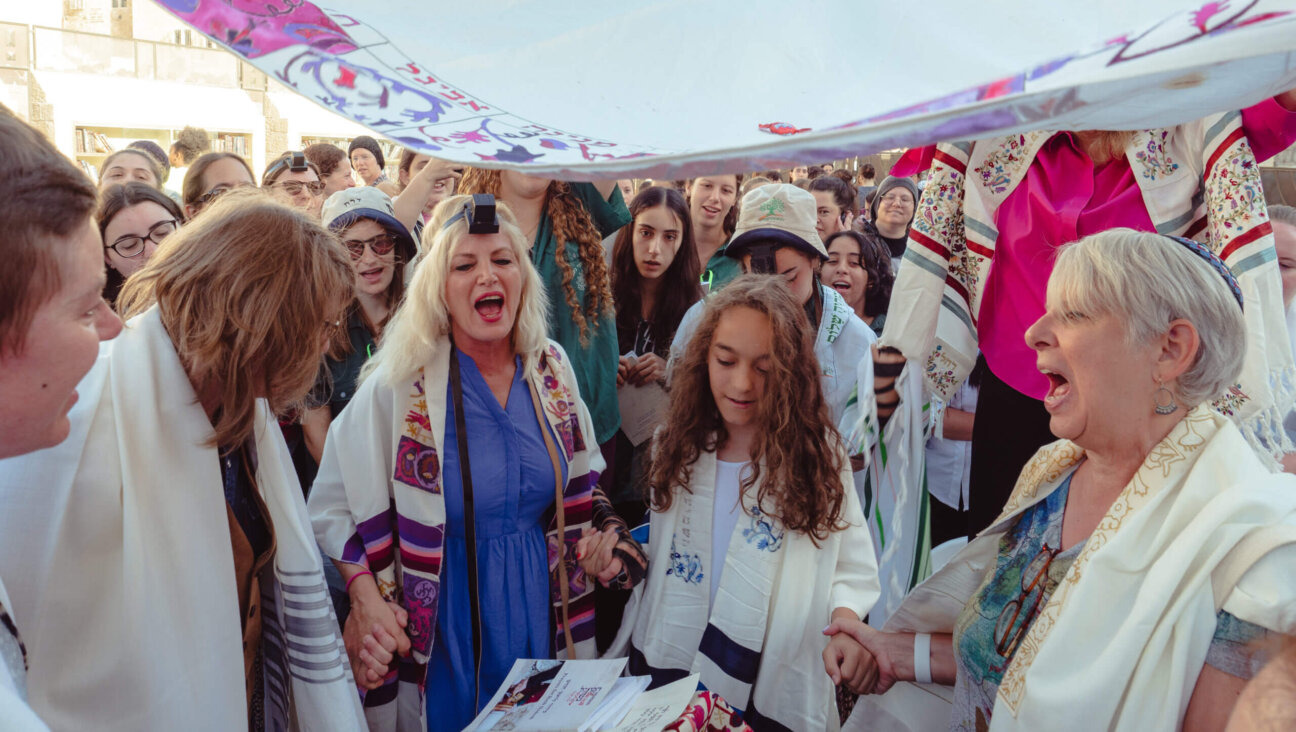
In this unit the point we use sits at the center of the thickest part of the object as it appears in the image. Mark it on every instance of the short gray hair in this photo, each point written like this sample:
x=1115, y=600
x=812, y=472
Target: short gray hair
x=1148, y=280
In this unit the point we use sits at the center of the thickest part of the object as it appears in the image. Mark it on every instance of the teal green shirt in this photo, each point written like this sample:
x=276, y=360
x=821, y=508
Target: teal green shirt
x=720, y=270
x=595, y=362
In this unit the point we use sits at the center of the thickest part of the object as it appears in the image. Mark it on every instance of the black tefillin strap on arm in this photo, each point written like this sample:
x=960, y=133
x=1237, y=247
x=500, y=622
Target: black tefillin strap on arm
x=482, y=219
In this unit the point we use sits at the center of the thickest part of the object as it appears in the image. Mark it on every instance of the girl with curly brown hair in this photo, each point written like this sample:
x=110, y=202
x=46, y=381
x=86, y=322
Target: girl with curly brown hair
x=565, y=224
x=757, y=538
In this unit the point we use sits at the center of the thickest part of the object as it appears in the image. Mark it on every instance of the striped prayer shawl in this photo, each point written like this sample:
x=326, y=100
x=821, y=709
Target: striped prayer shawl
x=396, y=527
x=1198, y=180
x=760, y=646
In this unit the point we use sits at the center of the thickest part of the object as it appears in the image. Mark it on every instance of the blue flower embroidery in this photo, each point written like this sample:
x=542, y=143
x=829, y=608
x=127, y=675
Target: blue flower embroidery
x=687, y=567
x=762, y=532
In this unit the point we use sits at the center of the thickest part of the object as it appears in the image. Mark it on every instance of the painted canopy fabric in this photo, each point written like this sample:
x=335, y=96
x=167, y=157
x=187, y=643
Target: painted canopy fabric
x=587, y=89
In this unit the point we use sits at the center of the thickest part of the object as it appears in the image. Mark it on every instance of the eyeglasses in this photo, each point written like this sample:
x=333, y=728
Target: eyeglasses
x=133, y=246
x=1008, y=632
x=219, y=191
x=893, y=198
x=293, y=187
x=381, y=245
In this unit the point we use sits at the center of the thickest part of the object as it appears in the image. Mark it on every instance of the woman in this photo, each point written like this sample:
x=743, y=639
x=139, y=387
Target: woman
x=211, y=176
x=125, y=166
x=891, y=213
x=52, y=320
x=133, y=220
x=174, y=503
x=334, y=167
x=860, y=271
x=713, y=201
x=987, y=241
x=834, y=205
x=757, y=534
x=367, y=160
x=296, y=181
x=1140, y=555
x=654, y=282
x=466, y=399
x=424, y=182
x=380, y=247
x=566, y=224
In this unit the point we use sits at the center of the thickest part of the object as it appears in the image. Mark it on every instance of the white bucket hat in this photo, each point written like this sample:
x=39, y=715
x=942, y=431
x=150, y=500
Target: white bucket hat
x=782, y=213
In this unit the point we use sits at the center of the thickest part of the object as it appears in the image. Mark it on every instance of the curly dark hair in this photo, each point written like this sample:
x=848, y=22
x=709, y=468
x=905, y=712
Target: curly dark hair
x=571, y=224
x=680, y=286
x=875, y=257
x=797, y=448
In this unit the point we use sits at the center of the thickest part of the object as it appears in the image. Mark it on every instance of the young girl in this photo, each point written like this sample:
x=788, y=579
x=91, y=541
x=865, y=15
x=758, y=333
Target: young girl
x=756, y=540
x=654, y=282
x=713, y=202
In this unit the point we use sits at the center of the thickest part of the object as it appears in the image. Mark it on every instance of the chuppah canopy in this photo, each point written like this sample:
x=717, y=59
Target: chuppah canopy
x=677, y=88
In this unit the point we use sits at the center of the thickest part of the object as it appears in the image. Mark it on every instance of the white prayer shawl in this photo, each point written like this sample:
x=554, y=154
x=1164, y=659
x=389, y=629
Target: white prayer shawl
x=116, y=545
x=17, y=716
x=1122, y=640
x=369, y=510
x=761, y=646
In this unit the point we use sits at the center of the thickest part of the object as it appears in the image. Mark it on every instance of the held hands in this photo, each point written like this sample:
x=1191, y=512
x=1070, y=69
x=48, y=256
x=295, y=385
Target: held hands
x=594, y=552
x=374, y=634
x=879, y=655
x=847, y=662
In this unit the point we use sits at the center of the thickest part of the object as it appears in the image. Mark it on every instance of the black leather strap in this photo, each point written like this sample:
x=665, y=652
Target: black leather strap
x=470, y=523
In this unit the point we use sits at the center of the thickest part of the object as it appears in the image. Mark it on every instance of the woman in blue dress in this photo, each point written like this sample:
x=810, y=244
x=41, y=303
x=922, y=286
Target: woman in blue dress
x=446, y=597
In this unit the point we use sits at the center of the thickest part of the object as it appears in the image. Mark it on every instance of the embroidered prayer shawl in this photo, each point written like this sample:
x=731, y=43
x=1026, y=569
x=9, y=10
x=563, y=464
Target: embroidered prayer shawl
x=117, y=549
x=761, y=647
x=1120, y=643
x=1198, y=180
x=377, y=502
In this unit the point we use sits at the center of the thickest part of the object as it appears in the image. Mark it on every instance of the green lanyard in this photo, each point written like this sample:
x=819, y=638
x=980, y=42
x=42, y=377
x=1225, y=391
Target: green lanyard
x=707, y=278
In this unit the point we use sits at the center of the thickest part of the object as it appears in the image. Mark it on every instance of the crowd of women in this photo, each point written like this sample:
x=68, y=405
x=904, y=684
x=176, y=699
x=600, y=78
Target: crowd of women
x=462, y=416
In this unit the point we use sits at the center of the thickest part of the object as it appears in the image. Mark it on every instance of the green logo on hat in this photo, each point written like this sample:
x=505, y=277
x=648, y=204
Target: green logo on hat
x=772, y=208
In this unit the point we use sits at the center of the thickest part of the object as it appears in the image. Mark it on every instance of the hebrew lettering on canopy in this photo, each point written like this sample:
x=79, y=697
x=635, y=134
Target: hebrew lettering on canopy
x=671, y=89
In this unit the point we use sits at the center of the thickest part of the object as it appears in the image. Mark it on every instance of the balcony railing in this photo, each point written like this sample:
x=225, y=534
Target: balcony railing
x=54, y=49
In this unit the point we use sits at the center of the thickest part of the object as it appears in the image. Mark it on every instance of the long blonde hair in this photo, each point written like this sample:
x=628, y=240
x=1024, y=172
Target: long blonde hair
x=424, y=317
x=247, y=291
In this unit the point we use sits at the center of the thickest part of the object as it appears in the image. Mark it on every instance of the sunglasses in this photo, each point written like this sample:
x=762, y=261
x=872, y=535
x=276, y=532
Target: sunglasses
x=293, y=187
x=381, y=245
x=219, y=191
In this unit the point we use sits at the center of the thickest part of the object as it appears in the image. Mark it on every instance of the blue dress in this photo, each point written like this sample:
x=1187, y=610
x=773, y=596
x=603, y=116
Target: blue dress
x=513, y=488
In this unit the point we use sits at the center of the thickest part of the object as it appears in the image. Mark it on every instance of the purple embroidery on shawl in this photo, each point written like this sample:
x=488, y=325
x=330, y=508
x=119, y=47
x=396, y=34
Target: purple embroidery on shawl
x=255, y=28
x=417, y=465
x=421, y=603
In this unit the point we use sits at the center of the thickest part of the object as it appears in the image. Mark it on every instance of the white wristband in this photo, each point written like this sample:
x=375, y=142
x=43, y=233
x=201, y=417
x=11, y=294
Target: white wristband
x=922, y=658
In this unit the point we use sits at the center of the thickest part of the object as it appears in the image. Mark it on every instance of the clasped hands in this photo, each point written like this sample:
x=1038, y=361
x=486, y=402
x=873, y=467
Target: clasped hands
x=863, y=658
x=642, y=370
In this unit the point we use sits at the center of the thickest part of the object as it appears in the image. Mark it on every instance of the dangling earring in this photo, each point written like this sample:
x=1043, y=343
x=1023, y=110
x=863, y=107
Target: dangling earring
x=1169, y=407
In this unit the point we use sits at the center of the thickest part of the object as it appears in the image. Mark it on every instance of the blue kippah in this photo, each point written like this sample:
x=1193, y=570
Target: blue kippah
x=1215, y=262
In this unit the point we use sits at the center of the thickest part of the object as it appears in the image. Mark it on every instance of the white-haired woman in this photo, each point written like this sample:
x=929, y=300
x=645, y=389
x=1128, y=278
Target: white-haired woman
x=1140, y=554
x=446, y=484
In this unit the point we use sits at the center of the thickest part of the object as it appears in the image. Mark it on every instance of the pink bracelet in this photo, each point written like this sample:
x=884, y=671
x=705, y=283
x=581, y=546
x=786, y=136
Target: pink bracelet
x=355, y=577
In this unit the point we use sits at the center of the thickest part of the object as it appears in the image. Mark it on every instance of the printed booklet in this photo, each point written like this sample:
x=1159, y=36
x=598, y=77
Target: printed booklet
x=581, y=696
